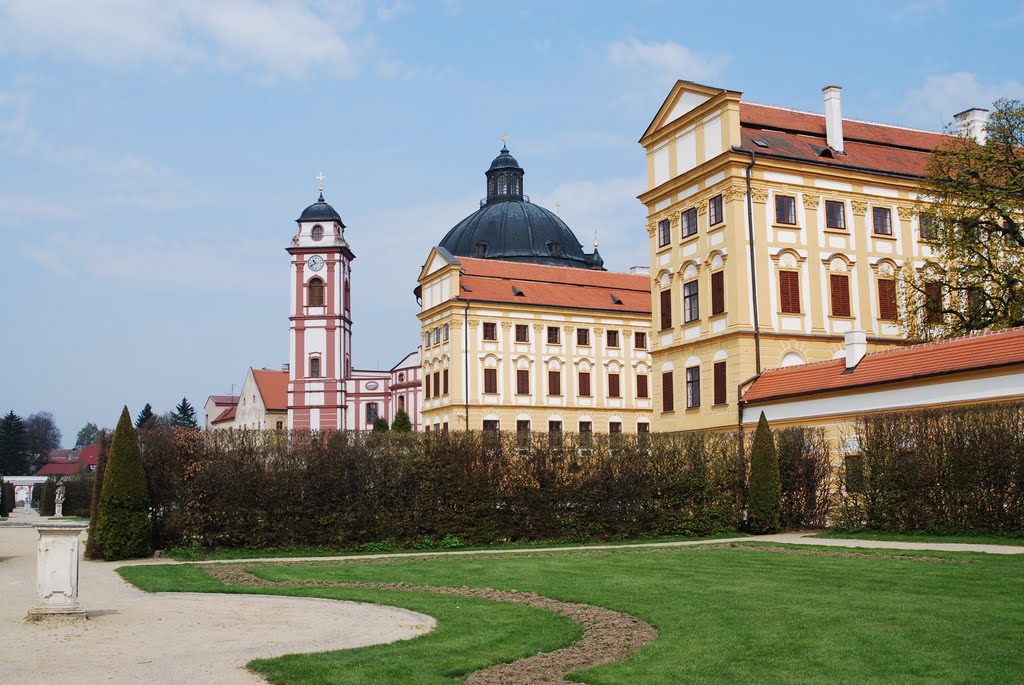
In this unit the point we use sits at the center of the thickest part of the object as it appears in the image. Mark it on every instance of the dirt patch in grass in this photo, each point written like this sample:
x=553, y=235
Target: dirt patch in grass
x=607, y=635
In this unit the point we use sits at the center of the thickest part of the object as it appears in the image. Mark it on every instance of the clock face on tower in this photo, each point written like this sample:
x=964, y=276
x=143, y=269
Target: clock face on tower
x=316, y=262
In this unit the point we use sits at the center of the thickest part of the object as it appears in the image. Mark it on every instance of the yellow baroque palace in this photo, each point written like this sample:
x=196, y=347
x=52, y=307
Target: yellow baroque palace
x=772, y=234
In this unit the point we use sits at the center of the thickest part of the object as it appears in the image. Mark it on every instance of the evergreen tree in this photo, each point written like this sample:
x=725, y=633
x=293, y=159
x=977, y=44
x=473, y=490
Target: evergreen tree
x=765, y=487
x=92, y=548
x=184, y=415
x=401, y=424
x=13, y=446
x=122, y=524
x=380, y=425
x=145, y=417
x=87, y=436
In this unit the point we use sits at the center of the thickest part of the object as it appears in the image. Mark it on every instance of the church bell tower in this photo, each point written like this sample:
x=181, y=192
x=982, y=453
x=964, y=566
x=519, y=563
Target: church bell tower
x=320, y=321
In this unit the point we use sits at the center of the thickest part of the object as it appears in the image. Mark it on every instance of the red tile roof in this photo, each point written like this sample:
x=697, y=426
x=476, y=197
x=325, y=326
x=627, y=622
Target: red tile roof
x=957, y=355
x=226, y=415
x=60, y=469
x=66, y=462
x=224, y=400
x=492, y=280
x=273, y=387
x=876, y=147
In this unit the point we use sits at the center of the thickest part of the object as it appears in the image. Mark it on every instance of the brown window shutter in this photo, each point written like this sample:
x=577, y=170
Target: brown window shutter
x=667, y=392
x=490, y=381
x=444, y=382
x=717, y=292
x=789, y=291
x=584, y=389
x=933, y=302
x=666, y=309
x=613, y=385
x=840, y=294
x=886, y=299
x=641, y=385
x=554, y=382
x=721, y=394
x=522, y=382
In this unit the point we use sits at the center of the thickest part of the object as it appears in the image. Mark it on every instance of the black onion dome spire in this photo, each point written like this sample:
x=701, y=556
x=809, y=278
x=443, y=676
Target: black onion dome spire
x=320, y=211
x=510, y=227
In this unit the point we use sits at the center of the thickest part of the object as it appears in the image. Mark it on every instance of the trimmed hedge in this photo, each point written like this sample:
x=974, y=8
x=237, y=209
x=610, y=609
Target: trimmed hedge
x=765, y=488
x=123, y=523
x=77, y=495
x=950, y=472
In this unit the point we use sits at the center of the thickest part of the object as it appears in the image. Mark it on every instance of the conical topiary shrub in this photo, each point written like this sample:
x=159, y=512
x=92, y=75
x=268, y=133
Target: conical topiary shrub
x=765, y=488
x=92, y=547
x=122, y=523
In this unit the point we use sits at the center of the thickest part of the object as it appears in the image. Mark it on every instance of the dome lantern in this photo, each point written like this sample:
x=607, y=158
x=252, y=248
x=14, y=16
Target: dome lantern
x=504, y=177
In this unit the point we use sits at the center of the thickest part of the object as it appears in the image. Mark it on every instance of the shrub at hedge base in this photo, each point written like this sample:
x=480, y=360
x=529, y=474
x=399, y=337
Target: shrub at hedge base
x=765, y=487
x=123, y=524
x=951, y=472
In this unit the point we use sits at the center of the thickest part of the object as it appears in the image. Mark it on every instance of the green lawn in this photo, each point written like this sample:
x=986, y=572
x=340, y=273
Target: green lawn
x=227, y=554
x=727, y=615
x=905, y=537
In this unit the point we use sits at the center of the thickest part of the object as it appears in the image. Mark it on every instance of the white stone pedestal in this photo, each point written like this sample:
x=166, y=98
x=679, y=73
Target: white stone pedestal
x=57, y=570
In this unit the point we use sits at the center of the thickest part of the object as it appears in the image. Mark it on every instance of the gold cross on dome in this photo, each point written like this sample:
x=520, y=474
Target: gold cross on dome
x=320, y=178
x=504, y=138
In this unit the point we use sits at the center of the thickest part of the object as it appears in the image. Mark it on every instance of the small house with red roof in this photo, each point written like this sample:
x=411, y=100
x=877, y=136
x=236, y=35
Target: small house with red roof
x=70, y=462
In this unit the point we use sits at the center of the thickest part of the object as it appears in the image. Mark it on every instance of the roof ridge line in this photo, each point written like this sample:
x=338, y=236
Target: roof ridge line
x=856, y=121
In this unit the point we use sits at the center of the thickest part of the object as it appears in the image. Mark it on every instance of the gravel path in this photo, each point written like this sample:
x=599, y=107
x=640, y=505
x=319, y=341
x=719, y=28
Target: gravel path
x=169, y=638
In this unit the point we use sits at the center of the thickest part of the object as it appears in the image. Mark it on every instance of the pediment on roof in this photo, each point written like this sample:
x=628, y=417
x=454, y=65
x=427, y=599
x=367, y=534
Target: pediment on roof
x=438, y=259
x=684, y=97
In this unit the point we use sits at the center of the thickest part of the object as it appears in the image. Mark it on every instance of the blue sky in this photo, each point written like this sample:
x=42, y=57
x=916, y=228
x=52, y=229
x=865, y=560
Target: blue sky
x=155, y=154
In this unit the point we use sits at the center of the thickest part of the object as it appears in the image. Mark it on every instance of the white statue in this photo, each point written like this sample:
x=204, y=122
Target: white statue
x=59, y=509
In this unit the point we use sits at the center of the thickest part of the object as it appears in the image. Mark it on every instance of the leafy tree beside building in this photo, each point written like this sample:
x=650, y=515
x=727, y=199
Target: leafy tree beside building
x=972, y=213
x=88, y=435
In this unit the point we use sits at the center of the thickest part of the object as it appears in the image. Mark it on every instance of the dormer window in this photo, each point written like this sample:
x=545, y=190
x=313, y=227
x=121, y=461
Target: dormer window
x=480, y=250
x=554, y=250
x=317, y=233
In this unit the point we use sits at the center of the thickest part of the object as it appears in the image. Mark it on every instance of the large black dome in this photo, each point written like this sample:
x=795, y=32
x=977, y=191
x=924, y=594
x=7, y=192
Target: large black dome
x=320, y=211
x=509, y=227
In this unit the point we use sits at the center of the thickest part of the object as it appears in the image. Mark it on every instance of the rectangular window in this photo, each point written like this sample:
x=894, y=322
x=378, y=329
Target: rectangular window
x=554, y=426
x=490, y=330
x=554, y=382
x=840, y=286
x=667, y=392
x=887, y=299
x=641, y=386
x=554, y=335
x=584, y=389
x=640, y=340
x=444, y=332
x=426, y=339
x=280, y=425
x=613, y=385
x=666, y=309
x=613, y=338
x=437, y=335
x=933, y=302
x=522, y=333
x=929, y=230
x=664, y=233
x=715, y=215
x=491, y=425
x=555, y=436
x=314, y=367
x=615, y=427
x=586, y=433
x=789, y=292
x=691, y=303
x=693, y=387
x=721, y=388
x=491, y=381
x=522, y=434
x=643, y=428
x=717, y=293
x=444, y=382
x=785, y=209
x=835, y=215
x=688, y=219
x=522, y=382
x=426, y=386
x=444, y=426
x=437, y=383
x=881, y=220
x=583, y=336
x=371, y=412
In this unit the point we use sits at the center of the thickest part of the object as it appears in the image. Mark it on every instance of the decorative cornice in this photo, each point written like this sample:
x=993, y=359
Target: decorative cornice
x=906, y=212
x=811, y=201
x=735, y=191
x=759, y=193
x=859, y=206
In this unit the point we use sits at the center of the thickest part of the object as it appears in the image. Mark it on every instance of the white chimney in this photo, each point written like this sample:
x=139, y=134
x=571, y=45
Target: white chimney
x=833, y=118
x=286, y=367
x=972, y=123
x=856, y=344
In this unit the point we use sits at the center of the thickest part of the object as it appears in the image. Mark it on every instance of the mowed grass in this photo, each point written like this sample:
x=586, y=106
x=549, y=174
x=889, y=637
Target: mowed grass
x=723, y=615
x=907, y=537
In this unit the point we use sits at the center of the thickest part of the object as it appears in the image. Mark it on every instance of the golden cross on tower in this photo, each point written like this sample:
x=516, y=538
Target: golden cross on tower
x=320, y=178
x=504, y=138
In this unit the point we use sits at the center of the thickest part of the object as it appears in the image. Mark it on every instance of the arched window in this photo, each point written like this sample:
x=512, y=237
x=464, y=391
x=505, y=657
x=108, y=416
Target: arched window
x=317, y=232
x=316, y=292
x=401, y=402
x=515, y=185
x=314, y=367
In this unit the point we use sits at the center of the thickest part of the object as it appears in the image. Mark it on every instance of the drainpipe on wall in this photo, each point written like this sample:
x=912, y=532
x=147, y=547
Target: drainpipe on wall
x=465, y=361
x=753, y=270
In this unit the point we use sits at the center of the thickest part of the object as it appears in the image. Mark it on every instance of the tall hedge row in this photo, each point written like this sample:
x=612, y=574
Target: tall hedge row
x=954, y=471
x=253, y=489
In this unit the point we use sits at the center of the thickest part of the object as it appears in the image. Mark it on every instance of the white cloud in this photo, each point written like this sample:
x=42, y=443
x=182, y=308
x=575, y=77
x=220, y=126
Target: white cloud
x=274, y=38
x=933, y=104
x=666, y=59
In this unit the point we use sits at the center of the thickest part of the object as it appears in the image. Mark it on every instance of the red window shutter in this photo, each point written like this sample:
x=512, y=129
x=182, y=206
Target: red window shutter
x=886, y=299
x=666, y=309
x=554, y=382
x=584, y=384
x=721, y=390
x=444, y=382
x=522, y=382
x=667, y=392
x=717, y=292
x=490, y=381
x=437, y=383
x=641, y=385
x=613, y=385
x=840, y=294
x=789, y=291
